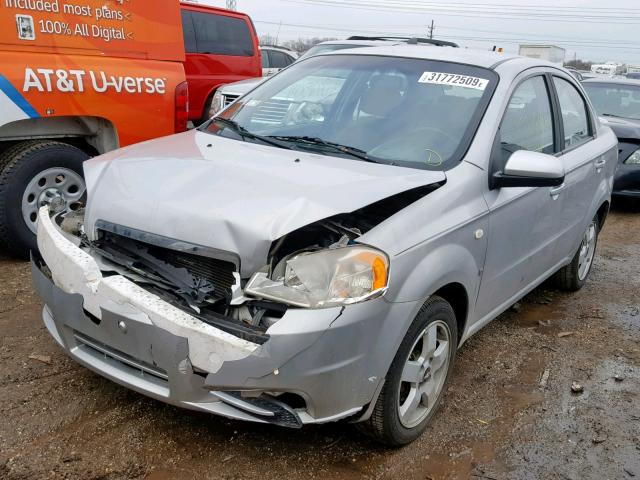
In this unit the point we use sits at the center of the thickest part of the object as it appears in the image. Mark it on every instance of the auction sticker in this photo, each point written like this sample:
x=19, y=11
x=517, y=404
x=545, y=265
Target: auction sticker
x=454, y=80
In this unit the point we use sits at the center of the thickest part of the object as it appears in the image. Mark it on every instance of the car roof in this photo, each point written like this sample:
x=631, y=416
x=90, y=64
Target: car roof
x=276, y=47
x=614, y=81
x=480, y=58
x=365, y=43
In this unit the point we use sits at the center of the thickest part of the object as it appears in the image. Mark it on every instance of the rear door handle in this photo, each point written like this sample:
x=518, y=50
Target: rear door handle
x=600, y=165
x=555, y=192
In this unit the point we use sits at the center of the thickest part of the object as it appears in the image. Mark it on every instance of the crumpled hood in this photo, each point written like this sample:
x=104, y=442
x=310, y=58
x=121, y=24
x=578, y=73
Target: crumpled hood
x=231, y=195
x=623, y=128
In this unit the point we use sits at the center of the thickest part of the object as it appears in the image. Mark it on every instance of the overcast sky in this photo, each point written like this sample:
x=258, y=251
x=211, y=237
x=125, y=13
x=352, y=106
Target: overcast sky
x=590, y=29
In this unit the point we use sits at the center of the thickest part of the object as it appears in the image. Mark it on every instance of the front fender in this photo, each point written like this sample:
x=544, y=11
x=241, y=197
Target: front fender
x=436, y=266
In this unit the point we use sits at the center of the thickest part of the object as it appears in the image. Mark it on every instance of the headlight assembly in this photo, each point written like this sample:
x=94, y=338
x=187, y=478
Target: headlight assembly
x=634, y=158
x=325, y=278
x=217, y=103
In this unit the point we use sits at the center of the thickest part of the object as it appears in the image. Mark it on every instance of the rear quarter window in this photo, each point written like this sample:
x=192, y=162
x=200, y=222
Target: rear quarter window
x=222, y=35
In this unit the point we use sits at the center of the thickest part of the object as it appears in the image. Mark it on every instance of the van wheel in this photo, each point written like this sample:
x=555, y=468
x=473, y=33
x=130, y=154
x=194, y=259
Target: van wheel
x=34, y=174
x=417, y=377
x=572, y=277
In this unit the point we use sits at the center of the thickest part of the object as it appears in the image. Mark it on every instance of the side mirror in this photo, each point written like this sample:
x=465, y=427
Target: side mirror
x=530, y=169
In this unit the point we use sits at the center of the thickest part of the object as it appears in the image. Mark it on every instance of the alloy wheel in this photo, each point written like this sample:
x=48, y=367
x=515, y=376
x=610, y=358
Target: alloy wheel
x=587, y=251
x=424, y=374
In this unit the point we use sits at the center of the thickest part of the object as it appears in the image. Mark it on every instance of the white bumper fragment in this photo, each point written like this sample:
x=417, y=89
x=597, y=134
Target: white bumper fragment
x=75, y=271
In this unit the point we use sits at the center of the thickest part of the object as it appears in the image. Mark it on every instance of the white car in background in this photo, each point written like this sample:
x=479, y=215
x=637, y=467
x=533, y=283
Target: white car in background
x=276, y=58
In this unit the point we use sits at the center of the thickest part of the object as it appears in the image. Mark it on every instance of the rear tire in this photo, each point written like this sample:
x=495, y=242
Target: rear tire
x=19, y=166
x=572, y=277
x=388, y=423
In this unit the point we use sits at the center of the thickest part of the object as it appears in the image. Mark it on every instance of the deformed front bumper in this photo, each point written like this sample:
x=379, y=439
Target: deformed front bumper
x=334, y=359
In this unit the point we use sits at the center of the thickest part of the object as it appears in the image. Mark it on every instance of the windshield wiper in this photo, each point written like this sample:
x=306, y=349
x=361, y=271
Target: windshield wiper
x=246, y=134
x=319, y=142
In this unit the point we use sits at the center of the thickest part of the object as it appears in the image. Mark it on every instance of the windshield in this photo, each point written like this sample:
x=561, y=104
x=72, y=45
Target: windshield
x=398, y=111
x=615, y=99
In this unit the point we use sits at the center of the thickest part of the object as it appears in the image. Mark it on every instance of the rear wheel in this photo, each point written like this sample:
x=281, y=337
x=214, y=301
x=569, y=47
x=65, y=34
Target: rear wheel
x=34, y=174
x=573, y=276
x=417, y=377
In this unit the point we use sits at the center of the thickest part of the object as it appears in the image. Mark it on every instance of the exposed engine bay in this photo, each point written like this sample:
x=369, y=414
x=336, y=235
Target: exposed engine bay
x=205, y=282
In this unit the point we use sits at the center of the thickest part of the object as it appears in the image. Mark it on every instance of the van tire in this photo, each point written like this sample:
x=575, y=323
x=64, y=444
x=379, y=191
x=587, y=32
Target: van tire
x=19, y=164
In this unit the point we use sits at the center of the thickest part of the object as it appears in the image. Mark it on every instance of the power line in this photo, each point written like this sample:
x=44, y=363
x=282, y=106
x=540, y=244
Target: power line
x=499, y=6
x=377, y=28
x=478, y=12
x=493, y=39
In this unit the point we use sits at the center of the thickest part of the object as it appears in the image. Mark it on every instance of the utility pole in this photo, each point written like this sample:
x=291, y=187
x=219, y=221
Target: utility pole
x=431, y=29
x=231, y=5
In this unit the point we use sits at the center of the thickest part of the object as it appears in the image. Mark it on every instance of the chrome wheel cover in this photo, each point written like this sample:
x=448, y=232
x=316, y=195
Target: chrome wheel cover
x=424, y=374
x=57, y=187
x=587, y=251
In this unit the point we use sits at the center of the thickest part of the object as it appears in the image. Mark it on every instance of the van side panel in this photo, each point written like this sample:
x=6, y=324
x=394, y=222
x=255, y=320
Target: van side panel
x=131, y=29
x=136, y=96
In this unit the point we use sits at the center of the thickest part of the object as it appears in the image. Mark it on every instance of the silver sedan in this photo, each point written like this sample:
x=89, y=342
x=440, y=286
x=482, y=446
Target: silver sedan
x=322, y=248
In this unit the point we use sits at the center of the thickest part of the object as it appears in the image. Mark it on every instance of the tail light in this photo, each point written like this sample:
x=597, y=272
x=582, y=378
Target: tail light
x=181, y=107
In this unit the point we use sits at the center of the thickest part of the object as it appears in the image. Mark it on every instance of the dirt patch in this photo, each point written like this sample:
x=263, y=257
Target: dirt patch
x=509, y=412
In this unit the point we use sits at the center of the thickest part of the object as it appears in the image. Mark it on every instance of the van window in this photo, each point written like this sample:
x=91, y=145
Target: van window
x=189, y=32
x=221, y=35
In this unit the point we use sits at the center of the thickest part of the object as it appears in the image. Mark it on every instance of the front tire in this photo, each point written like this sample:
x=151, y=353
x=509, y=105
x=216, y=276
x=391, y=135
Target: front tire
x=417, y=378
x=572, y=277
x=33, y=174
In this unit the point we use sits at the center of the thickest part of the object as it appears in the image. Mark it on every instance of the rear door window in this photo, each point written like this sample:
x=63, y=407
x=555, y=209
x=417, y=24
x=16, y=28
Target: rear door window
x=574, y=114
x=221, y=35
x=278, y=59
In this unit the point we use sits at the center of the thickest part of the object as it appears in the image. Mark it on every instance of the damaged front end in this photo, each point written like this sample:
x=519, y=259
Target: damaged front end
x=176, y=321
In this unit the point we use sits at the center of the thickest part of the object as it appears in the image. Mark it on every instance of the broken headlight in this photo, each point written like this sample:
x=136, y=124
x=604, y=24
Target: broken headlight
x=325, y=278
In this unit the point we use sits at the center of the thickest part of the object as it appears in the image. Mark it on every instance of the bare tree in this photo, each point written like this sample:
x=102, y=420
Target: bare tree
x=300, y=45
x=579, y=64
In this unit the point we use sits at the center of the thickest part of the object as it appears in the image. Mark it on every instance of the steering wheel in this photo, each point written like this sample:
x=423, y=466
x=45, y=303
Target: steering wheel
x=416, y=146
x=307, y=112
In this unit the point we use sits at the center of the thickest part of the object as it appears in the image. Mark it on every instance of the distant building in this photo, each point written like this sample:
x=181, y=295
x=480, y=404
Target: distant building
x=610, y=68
x=550, y=53
x=633, y=68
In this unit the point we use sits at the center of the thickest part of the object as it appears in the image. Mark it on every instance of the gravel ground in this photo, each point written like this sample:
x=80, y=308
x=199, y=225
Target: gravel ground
x=509, y=412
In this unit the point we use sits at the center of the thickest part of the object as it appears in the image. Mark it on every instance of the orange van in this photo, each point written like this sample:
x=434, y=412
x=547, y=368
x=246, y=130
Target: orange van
x=78, y=79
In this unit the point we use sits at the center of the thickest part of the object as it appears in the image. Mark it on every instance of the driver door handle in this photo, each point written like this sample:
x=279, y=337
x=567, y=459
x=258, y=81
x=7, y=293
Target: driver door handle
x=600, y=164
x=555, y=192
